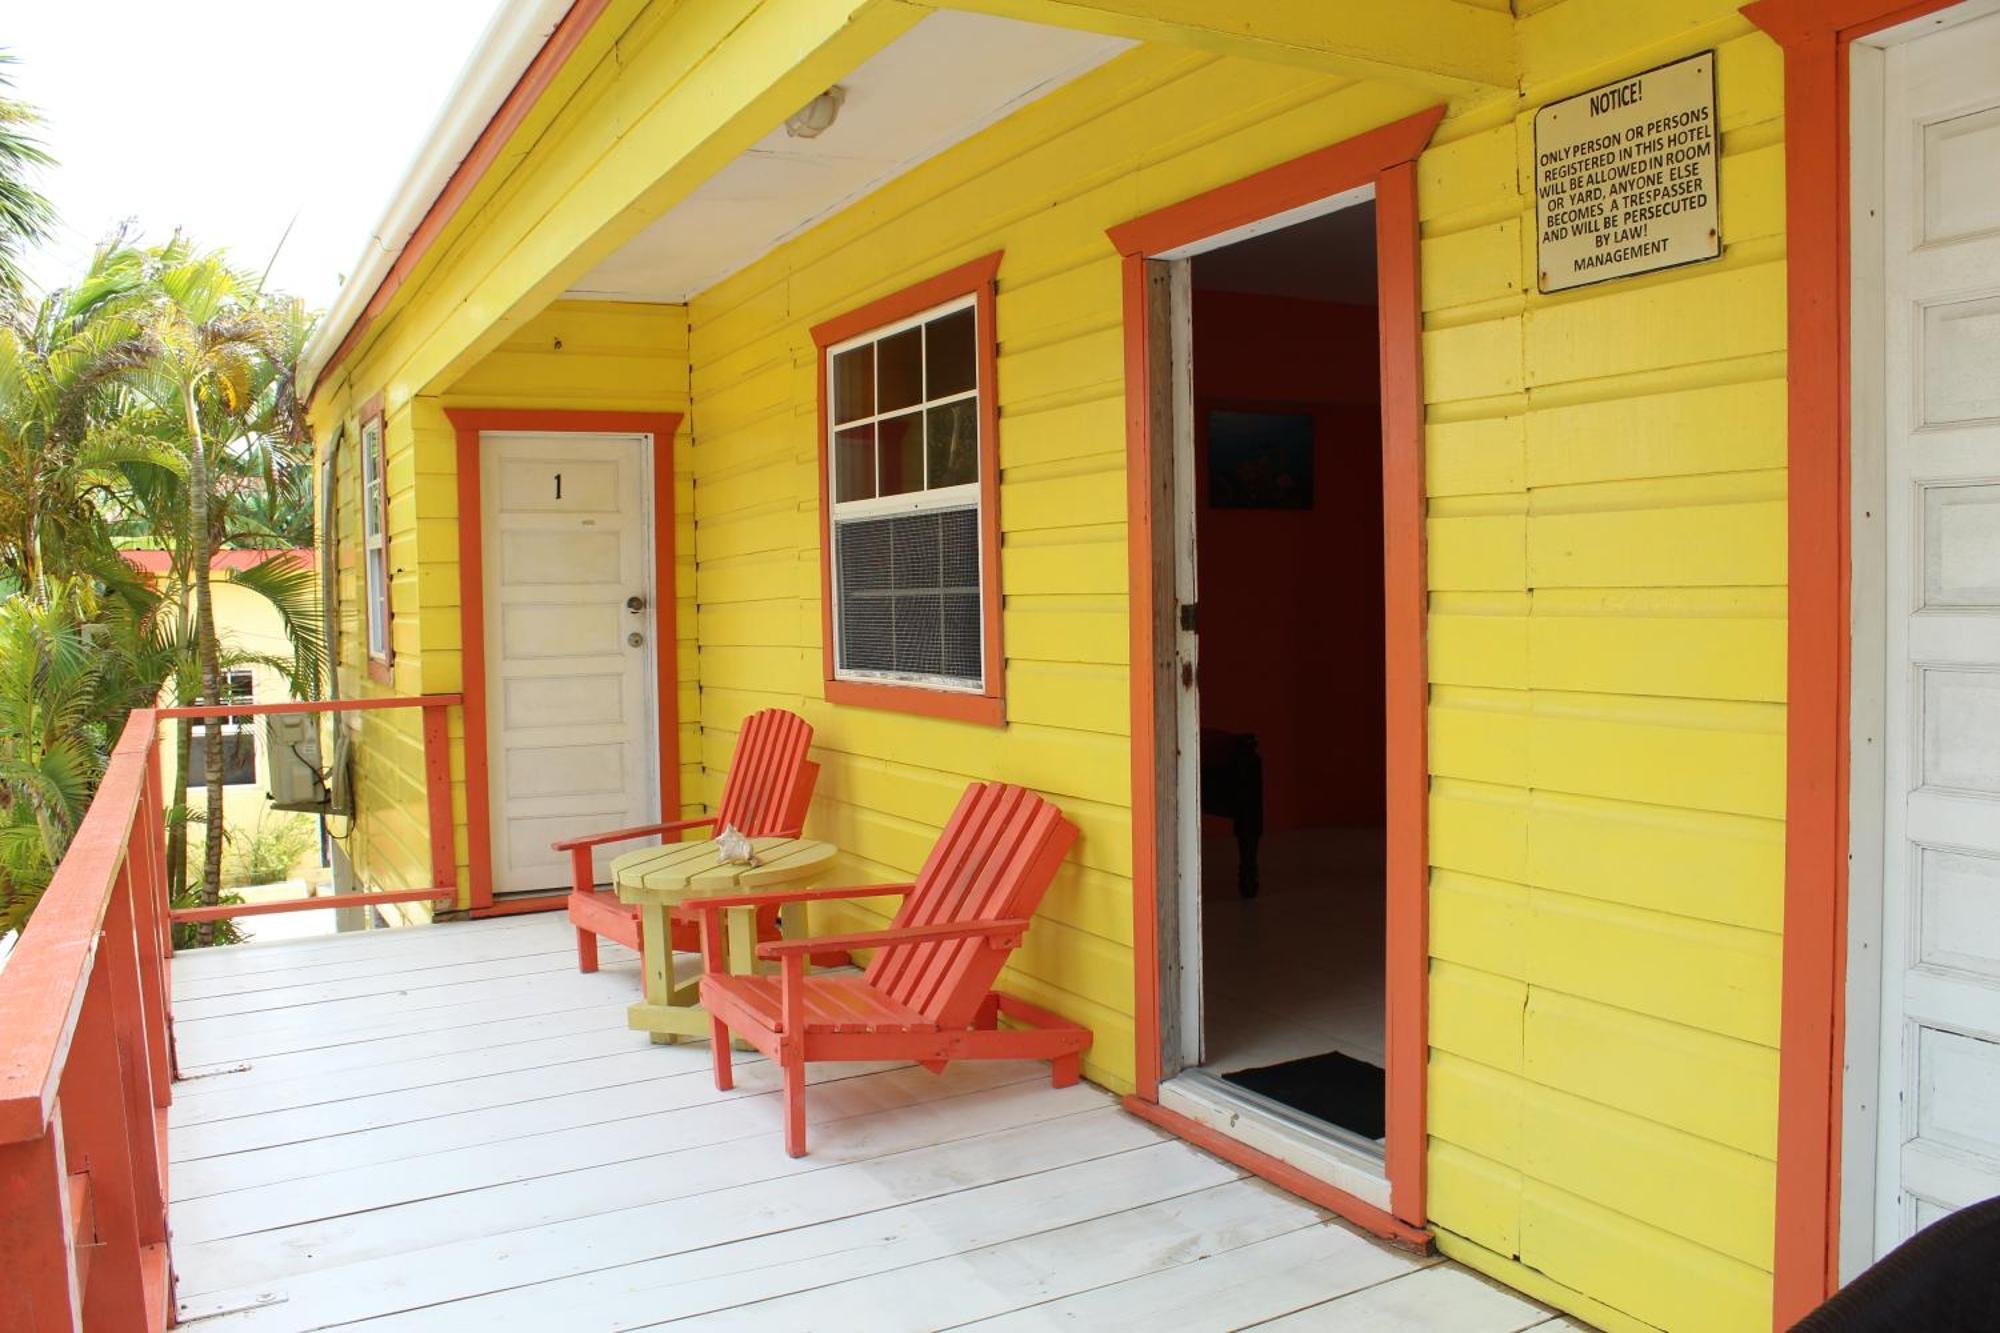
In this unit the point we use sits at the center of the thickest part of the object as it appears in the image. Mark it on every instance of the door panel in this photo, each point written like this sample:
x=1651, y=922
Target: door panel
x=570, y=707
x=1939, y=1148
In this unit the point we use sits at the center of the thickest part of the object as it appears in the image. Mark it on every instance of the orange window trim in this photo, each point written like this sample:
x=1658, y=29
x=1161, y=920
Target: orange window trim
x=1384, y=157
x=977, y=279
x=381, y=656
x=468, y=424
x=1816, y=35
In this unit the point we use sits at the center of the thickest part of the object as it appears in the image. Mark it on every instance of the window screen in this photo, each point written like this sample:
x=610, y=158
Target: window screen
x=903, y=461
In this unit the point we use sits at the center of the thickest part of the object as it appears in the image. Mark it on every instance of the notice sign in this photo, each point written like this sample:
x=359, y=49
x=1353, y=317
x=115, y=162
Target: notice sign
x=1625, y=177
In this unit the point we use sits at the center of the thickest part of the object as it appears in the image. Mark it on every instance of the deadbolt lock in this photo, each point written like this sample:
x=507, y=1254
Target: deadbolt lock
x=635, y=638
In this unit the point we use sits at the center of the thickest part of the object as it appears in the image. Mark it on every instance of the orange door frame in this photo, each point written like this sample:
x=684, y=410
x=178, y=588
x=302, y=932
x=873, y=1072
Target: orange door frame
x=470, y=424
x=1386, y=158
x=1816, y=36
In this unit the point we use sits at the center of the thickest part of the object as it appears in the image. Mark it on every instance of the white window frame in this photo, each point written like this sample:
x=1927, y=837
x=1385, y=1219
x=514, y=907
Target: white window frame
x=375, y=537
x=232, y=726
x=966, y=496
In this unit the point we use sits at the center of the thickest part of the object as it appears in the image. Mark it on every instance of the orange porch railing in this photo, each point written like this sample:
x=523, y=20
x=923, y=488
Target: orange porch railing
x=86, y=1041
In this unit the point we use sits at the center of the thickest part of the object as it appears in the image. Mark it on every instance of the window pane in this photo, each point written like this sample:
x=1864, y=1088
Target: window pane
x=900, y=370
x=854, y=463
x=239, y=757
x=949, y=366
x=952, y=434
x=902, y=441
x=854, y=384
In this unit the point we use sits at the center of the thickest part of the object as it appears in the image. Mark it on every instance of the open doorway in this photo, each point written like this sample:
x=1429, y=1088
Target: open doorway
x=1279, y=721
x=1286, y=399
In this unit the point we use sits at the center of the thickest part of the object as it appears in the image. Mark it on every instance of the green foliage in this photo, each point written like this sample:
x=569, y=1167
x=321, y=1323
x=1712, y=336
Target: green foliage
x=52, y=736
x=25, y=216
x=268, y=851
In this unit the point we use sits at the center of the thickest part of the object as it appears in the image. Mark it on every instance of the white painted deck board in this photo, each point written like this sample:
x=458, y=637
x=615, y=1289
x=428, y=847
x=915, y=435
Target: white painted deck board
x=449, y=1128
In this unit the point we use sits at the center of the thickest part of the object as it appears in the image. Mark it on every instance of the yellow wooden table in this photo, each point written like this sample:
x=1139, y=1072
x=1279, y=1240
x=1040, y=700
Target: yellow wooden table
x=659, y=879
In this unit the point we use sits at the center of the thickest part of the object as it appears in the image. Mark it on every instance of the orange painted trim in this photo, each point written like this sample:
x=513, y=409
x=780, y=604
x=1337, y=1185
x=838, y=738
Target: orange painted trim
x=1141, y=608
x=1285, y=1176
x=552, y=902
x=471, y=171
x=1406, y=766
x=1299, y=181
x=469, y=423
x=1816, y=35
x=1384, y=157
x=229, y=911
x=979, y=280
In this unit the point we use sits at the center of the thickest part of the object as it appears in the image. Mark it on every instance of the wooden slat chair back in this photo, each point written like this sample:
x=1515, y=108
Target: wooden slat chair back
x=759, y=796
x=993, y=862
x=927, y=994
x=766, y=794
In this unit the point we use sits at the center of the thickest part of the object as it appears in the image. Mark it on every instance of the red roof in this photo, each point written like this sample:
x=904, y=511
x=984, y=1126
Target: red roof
x=156, y=562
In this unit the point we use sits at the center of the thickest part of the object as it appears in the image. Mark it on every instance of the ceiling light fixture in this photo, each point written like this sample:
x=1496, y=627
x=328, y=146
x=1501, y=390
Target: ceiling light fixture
x=813, y=119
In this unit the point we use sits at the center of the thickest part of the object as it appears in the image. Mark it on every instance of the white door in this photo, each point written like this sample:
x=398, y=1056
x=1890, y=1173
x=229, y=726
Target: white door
x=571, y=742
x=1939, y=1142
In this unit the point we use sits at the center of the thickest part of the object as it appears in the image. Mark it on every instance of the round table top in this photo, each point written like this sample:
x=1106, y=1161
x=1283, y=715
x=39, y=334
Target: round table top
x=683, y=870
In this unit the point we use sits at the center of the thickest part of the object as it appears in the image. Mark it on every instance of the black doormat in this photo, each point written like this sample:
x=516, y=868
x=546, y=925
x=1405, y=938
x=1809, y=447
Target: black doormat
x=1332, y=1087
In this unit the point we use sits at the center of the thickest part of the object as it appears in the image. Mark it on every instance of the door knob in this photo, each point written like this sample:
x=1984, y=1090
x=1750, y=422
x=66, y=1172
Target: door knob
x=635, y=638
x=635, y=604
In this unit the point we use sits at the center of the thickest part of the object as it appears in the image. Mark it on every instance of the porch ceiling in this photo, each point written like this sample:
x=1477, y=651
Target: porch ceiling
x=950, y=76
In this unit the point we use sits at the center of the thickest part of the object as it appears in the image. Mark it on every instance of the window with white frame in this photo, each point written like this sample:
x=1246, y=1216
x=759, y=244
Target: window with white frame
x=903, y=464
x=237, y=733
x=375, y=537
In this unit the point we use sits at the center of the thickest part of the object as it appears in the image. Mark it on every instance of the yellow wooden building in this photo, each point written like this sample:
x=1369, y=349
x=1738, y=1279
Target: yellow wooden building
x=1499, y=479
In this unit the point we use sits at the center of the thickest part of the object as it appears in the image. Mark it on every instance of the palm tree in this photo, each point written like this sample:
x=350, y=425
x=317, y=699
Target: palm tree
x=217, y=364
x=25, y=216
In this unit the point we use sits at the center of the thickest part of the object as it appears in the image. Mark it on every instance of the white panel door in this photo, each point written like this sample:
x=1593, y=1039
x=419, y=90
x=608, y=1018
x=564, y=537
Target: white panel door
x=1939, y=1143
x=571, y=742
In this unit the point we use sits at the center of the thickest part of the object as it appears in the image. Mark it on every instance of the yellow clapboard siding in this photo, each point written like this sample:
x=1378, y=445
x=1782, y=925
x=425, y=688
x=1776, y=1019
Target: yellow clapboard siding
x=1714, y=867
x=1721, y=979
x=1710, y=315
x=1722, y=545
x=1657, y=1277
x=1477, y=1015
x=1478, y=457
x=1713, y=428
x=1473, y=1196
x=1716, y=1087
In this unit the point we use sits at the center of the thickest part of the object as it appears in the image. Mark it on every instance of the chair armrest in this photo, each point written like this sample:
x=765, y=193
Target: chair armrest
x=625, y=834
x=778, y=897
x=999, y=933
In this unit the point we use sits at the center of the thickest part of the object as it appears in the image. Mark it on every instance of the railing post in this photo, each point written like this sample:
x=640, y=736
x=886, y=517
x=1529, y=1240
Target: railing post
x=437, y=788
x=97, y=1139
x=145, y=869
x=144, y=1117
x=40, y=1291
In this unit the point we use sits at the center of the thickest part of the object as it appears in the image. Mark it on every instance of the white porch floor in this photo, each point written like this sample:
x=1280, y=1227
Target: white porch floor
x=451, y=1128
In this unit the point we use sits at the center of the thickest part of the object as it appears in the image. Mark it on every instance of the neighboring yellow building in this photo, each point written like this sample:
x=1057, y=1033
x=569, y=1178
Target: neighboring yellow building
x=1414, y=433
x=247, y=624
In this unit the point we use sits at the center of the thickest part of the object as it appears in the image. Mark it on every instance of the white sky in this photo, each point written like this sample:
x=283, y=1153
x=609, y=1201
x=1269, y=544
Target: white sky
x=229, y=117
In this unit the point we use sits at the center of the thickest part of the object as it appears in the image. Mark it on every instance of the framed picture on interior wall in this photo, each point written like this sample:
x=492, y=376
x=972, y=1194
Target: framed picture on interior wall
x=1260, y=460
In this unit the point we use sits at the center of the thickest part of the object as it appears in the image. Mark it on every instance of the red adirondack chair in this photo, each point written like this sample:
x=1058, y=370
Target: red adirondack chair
x=926, y=995
x=769, y=786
